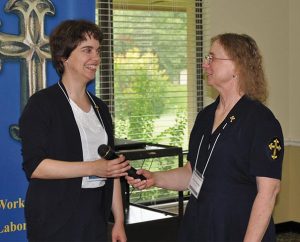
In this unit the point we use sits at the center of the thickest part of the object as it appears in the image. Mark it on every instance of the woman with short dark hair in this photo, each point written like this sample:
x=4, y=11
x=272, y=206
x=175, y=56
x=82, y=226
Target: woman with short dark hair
x=72, y=190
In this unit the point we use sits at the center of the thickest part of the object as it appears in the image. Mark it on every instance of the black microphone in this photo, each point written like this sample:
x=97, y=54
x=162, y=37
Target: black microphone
x=108, y=154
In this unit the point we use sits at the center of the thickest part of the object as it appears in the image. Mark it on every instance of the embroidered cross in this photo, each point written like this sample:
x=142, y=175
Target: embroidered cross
x=31, y=47
x=275, y=148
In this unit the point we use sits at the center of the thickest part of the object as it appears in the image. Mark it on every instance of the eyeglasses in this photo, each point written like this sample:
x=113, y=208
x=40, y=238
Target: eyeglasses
x=208, y=59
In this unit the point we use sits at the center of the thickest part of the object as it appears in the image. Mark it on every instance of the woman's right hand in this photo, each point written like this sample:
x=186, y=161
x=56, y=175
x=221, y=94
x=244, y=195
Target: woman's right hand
x=141, y=184
x=111, y=168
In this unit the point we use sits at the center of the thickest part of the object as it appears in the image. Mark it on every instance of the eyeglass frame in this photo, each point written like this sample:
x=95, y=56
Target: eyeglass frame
x=210, y=58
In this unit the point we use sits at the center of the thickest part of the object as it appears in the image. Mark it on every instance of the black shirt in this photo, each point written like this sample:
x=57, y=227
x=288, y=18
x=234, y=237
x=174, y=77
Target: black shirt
x=246, y=145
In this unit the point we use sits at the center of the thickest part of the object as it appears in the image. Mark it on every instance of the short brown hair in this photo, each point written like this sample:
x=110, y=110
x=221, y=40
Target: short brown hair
x=67, y=36
x=243, y=50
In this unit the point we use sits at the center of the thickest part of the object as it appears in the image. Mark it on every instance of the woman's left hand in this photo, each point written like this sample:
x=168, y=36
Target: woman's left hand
x=118, y=233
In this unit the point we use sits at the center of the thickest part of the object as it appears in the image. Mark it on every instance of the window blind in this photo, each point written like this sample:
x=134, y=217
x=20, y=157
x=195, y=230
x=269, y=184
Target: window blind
x=150, y=75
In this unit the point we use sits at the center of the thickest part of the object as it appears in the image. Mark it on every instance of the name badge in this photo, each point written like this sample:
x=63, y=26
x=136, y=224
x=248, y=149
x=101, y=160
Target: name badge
x=92, y=182
x=196, y=183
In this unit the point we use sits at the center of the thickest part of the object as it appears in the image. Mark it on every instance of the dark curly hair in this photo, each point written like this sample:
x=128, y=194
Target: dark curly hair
x=67, y=36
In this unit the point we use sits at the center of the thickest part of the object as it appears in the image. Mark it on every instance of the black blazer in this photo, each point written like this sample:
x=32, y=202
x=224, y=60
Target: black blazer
x=48, y=130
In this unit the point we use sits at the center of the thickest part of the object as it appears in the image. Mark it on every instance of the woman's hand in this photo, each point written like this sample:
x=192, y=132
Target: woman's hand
x=118, y=233
x=142, y=184
x=111, y=168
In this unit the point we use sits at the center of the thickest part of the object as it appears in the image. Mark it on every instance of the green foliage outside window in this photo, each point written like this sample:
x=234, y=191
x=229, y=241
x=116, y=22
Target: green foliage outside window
x=149, y=54
x=141, y=97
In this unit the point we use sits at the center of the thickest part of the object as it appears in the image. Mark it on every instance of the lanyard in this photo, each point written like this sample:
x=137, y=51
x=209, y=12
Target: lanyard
x=208, y=159
x=91, y=99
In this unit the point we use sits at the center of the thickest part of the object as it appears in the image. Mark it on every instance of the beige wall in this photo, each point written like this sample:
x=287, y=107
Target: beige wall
x=274, y=24
x=294, y=184
x=287, y=208
x=294, y=69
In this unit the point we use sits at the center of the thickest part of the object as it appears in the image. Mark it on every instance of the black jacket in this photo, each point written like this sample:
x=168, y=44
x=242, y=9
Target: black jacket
x=48, y=130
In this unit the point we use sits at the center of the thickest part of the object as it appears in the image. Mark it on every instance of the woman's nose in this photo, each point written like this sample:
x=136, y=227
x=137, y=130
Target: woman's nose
x=96, y=55
x=205, y=65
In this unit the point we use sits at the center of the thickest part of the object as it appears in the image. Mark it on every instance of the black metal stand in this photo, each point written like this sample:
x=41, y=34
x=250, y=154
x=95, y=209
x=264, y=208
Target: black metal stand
x=144, y=223
x=153, y=151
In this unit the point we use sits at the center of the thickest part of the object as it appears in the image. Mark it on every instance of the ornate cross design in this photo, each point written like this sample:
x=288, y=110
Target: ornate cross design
x=31, y=47
x=274, y=147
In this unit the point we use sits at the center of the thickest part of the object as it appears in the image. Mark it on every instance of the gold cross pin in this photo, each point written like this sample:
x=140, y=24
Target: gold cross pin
x=232, y=118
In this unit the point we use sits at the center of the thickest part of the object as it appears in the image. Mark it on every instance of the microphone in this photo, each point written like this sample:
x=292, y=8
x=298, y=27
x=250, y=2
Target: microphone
x=108, y=154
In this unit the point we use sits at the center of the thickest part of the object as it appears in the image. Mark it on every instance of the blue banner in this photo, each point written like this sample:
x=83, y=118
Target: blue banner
x=25, y=67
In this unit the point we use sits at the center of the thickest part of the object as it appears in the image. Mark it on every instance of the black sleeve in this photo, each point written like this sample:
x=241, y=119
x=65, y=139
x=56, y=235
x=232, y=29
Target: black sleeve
x=34, y=127
x=267, y=148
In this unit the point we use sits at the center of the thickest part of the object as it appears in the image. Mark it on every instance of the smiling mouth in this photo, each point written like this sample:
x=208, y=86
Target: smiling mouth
x=91, y=67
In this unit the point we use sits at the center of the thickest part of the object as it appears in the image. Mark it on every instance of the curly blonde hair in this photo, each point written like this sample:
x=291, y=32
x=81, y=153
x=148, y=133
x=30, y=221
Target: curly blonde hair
x=243, y=50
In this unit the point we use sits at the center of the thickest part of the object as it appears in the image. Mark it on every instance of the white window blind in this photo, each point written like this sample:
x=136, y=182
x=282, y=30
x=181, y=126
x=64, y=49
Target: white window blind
x=151, y=75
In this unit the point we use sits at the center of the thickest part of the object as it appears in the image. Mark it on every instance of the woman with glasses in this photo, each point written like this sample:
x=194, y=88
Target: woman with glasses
x=235, y=153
